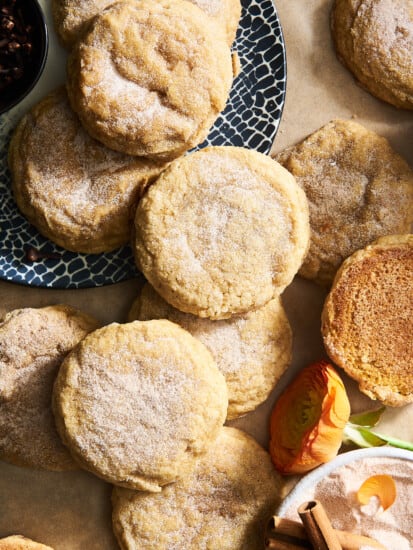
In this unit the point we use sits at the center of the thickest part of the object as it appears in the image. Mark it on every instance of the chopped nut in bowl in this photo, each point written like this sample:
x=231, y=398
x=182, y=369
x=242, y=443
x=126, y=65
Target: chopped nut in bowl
x=23, y=49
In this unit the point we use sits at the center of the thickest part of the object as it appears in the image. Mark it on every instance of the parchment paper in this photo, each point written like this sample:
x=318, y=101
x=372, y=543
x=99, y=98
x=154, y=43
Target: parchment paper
x=71, y=511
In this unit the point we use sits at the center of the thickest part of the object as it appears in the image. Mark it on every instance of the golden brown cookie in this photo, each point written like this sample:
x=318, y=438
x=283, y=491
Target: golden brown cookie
x=222, y=231
x=74, y=190
x=374, y=40
x=358, y=189
x=252, y=350
x=71, y=17
x=33, y=343
x=138, y=404
x=223, y=505
x=150, y=78
x=17, y=542
x=224, y=12
x=367, y=321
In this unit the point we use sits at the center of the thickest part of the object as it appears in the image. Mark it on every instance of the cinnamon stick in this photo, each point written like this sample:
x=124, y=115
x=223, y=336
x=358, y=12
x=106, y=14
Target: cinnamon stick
x=290, y=533
x=285, y=534
x=318, y=527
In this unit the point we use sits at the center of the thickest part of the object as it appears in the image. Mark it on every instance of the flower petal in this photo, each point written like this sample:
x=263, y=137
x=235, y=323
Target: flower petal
x=381, y=486
x=308, y=419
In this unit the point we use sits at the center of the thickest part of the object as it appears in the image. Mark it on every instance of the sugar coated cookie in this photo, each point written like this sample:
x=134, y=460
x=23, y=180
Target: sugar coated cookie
x=358, y=189
x=74, y=190
x=150, y=78
x=226, y=12
x=17, y=542
x=223, y=505
x=251, y=350
x=71, y=17
x=367, y=321
x=33, y=343
x=374, y=40
x=222, y=231
x=137, y=404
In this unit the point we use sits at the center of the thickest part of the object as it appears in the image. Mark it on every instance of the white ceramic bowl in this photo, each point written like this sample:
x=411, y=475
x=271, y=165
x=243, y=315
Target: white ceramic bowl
x=294, y=499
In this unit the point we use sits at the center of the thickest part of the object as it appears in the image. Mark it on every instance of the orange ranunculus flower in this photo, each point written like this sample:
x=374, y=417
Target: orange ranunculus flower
x=308, y=420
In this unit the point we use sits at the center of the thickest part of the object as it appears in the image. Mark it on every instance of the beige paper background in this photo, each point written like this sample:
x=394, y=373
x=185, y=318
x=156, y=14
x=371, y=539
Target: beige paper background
x=71, y=511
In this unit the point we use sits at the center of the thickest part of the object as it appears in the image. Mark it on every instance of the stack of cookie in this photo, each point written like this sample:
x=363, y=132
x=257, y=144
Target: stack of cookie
x=141, y=405
x=145, y=82
x=218, y=234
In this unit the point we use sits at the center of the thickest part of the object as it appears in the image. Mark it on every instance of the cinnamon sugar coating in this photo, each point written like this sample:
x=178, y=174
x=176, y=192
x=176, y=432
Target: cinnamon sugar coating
x=150, y=78
x=138, y=404
x=33, y=343
x=374, y=40
x=223, y=505
x=252, y=350
x=74, y=190
x=72, y=17
x=224, y=12
x=17, y=542
x=367, y=320
x=358, y=189
x=221, y=231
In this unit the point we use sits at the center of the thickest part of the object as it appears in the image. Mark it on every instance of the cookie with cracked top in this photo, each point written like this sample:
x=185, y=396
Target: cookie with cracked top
x=374, y=40
x=223, y=505
x=358, y=189
x=74, y=190
x=18, y=542
x=221, y=231
x=138, y=404
x=72, y=17
x=33, y=344
x=150, y=78
x=252, y=350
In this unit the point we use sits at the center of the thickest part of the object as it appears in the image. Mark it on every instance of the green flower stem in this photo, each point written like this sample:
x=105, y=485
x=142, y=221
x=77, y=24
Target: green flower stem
x=365, y=437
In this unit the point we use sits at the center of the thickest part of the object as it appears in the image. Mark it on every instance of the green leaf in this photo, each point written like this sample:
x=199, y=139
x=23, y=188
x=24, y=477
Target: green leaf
x=394, y=442
x=367, y=419
x=362, y=436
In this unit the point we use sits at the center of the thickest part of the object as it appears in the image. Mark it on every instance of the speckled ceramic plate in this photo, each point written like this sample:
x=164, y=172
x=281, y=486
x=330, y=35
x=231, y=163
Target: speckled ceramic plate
x=250, y=119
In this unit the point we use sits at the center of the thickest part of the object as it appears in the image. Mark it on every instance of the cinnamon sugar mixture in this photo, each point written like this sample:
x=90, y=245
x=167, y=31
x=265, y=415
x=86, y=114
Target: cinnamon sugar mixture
x=116, y=400
x=233, y=212
x=393, y=22
x=337, y=492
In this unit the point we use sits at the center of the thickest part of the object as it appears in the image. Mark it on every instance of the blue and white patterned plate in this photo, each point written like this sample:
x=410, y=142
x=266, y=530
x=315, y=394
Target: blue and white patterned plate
x=250, y=119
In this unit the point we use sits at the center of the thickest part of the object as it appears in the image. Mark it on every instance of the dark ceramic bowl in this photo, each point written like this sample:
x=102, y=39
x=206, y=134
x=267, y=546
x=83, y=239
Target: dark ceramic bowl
x=25, y=14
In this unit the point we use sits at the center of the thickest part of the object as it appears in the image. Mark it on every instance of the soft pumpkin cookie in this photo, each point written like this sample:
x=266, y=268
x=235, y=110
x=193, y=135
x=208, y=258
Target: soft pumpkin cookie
x=74, y=190
x=71, y=17
x=150, y=78
x=223, y=505
x=33, y=343
x=138, y=404
x=374, y=39
x=17, y=542
x=367, y=320
x=358, y=189
x=252, y=350
x=221, y=231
